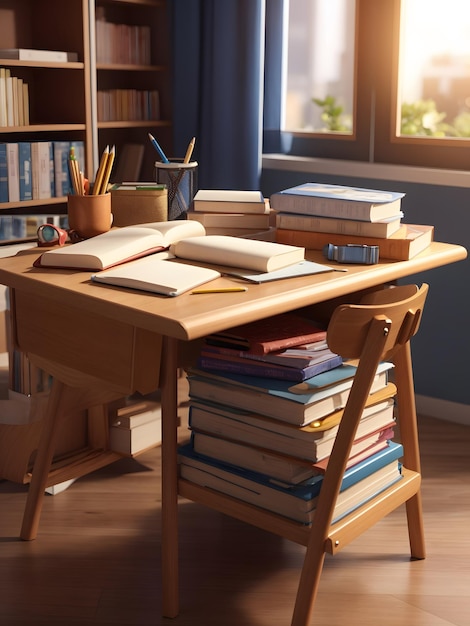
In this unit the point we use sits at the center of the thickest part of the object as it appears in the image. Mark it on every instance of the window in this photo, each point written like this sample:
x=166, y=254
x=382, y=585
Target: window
x=379, y=80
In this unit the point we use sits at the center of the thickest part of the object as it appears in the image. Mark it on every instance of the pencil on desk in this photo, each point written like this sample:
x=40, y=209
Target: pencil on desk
x=100, y=172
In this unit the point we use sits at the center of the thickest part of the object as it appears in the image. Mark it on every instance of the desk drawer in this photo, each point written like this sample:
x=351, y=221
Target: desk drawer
x=109, y=350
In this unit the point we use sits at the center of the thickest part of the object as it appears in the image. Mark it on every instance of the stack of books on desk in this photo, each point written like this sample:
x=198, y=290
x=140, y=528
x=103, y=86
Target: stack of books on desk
x=231, y=212
x=267, y=440
x=313, y=215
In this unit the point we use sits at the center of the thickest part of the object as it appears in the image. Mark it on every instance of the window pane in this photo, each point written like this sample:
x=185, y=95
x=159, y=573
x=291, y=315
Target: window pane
x=434, y=76
x=320, y=66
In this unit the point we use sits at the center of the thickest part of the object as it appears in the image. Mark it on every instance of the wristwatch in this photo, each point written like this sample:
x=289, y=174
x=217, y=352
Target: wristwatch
x=352, y=253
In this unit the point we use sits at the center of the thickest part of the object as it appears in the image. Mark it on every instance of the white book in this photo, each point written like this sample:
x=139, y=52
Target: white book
x=13, y=172
x=27, y=54
x=40, y=167
x=262, y=256
x=3, y=96
x=157, y=275
x=10, y=103
x=120, y=245
x=229, y=201
x=129, y=441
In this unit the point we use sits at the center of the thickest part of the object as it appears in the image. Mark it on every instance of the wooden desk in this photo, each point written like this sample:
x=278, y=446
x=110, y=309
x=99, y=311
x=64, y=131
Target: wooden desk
x=104, y=342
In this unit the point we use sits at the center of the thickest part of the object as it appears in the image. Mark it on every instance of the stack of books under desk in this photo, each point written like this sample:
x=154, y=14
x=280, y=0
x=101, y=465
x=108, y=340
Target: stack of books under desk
x=264, y=436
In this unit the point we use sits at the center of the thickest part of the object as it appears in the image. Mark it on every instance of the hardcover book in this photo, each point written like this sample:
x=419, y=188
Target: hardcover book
x=353, y=203
x=28, y=54
x=360, y=483
x=262, y=256
x=119, y=245
x=382, y=229
x=281, y=331
x=311, y=442
x=417, y=237
x=229, y=201
x=258, y=221
x=272, y=397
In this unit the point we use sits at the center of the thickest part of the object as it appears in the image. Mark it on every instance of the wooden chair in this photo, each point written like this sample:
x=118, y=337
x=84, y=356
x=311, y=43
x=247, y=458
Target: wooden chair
x=377, y=329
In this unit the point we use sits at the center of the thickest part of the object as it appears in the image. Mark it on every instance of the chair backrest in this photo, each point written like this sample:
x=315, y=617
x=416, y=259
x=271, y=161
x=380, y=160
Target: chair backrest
x=350, y=324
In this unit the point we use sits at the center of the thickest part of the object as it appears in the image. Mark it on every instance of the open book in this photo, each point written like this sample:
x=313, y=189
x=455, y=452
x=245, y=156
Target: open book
x=120, y=245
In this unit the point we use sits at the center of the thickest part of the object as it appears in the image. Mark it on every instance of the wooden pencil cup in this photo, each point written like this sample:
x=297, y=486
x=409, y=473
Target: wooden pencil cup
x=89, y=215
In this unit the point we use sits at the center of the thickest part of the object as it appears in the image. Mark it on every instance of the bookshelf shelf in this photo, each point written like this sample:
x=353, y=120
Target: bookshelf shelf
x=126, y=67
x=75, y=65
x=42, y=128
x=135, y=124
x=27, y=204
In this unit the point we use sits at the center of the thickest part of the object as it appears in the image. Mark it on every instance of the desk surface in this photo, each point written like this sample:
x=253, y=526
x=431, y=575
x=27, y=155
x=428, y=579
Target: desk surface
x=190, y=316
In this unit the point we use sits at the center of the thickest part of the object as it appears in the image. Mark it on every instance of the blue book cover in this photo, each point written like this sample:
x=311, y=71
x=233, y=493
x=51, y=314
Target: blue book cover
x=343, y=192
x=51, y=168
x=320, y=386
x=310, y=488
x=3, y=173
x=62, y=182
x=25, y=174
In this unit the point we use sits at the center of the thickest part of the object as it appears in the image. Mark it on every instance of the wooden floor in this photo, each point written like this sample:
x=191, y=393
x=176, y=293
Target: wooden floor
x=96, y=560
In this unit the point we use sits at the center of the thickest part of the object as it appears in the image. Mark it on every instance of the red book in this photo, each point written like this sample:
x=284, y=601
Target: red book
x=276, y=333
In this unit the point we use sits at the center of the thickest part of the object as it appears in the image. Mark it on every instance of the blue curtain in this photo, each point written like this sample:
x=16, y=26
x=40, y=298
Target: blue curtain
x=218, y=88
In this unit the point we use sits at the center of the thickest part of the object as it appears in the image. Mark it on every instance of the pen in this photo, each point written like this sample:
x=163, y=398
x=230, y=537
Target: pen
x=189, y=151
x=221, y=290
x=156, y=145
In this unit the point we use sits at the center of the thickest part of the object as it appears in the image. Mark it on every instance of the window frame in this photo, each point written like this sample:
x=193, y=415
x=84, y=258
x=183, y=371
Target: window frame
x=375, y=103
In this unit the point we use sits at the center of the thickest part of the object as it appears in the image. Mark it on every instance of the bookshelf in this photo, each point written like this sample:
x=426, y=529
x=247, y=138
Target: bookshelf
x=62, y=107
x=64, y=97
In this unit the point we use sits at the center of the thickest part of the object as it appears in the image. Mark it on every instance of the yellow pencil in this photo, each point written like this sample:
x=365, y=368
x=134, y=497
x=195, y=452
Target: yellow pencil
x=100, y=172
x=107, y=171
x=221, y=290
x=189, y=151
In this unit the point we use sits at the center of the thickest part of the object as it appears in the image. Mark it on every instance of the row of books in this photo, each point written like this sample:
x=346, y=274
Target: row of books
x=14, y=100
x=32, y=170
x=122, y=43
x=20, y=227
x=128, y=105
x=265, y=438
x=314, y=215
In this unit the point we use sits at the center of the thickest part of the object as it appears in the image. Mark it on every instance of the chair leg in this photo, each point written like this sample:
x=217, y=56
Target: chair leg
x=409, y=437
x=309, y=582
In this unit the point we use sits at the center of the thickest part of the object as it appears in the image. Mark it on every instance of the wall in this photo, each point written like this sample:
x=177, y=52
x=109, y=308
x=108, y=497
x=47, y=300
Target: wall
x=441, y=347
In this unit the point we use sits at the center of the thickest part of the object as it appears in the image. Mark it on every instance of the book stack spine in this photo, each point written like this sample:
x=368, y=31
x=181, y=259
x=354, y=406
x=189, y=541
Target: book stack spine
x=31, y=170
x=313, y=216
x=14, y=100
x=243, y=444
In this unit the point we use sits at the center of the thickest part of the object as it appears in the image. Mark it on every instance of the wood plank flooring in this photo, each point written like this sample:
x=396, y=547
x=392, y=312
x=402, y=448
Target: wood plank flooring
x=96, y=560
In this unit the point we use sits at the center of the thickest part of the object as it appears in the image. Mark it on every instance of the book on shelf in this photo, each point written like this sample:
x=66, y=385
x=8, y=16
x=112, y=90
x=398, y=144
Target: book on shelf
x=258, y=221
x=13, y=172
x=354, y=203
x=272, y=397
x=285, y=330
x=62, y=182
x=156, y=275
x=229, y=201
x=311, y=442
x=416, y=239
x=3, y=96
x=24, y=169
x=3, y=173
x=130, y=441
x=360, y=483
x=29, y=54
x=383, y=228
x=261, y=256
x=119, y=245
x=240, y=365
x=41, y=169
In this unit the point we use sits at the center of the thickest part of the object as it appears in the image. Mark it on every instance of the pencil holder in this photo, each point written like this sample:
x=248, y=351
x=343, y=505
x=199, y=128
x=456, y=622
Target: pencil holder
x=138, y=205
x=89, y=215
x=181, y=181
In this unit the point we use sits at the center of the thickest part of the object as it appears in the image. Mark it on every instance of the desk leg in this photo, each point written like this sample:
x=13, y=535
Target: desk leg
x=169, y=365
x=42, y=464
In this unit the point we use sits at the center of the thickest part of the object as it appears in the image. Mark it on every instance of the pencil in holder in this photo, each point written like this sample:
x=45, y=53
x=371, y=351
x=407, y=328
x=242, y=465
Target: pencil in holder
x=181, y=181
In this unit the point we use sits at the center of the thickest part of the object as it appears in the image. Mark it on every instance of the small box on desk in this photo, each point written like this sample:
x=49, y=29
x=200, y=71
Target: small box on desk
x=138, y=203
